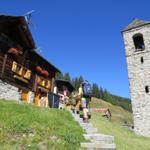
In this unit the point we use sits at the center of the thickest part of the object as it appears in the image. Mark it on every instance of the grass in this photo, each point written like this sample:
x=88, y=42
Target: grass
x=124, y=138
x=26, y=127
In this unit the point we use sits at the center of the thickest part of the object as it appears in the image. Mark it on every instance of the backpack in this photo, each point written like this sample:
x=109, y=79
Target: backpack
x=87, y=89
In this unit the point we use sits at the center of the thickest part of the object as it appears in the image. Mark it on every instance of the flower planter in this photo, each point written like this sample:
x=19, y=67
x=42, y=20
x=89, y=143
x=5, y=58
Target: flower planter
x=38, y=69
x=13, y=51
x=45, y=73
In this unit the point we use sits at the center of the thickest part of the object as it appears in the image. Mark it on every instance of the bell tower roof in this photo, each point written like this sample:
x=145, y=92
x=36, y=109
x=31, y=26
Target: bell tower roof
x=135, y=23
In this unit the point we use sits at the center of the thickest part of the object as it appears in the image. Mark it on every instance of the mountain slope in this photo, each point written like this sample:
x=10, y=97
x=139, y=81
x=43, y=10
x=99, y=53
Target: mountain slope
x=125, y=139
x=119, y=114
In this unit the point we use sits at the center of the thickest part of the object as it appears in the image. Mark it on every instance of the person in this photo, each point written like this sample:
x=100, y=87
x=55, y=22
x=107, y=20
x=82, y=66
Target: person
x=84, y=104
x=66, y=98
x=73, y=103
x=77, y=96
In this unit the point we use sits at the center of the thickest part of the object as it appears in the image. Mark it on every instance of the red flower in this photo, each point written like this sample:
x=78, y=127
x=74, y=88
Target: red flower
x=38, y=69
x=45, y=73
x=13, y=51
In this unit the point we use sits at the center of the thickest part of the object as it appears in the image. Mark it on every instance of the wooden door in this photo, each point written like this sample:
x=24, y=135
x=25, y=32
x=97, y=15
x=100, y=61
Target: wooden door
x=25, y=96
x=36, y=99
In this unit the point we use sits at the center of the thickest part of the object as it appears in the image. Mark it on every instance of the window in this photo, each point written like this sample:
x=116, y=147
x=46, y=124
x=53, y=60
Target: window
x=48, y=84
x=21, y=71
x=18, y=69
x=14, y=66
x=43, y=82
x=138, y=42
x=146, y=89
x=142, y=60
x=27, y=73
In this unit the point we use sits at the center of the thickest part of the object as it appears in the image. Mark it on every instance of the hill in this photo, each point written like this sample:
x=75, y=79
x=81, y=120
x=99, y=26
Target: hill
x=125, y=139
x=24, y=127
x=119, y=114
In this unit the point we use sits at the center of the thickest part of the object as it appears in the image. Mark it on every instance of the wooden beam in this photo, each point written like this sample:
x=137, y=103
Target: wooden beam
x=43, y=89
x=52, y=85
x=4, y=64
x=35, y=83
x=21, y=79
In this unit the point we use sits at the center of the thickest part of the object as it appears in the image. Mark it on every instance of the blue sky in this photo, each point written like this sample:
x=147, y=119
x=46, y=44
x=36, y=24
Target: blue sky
x=83, y=37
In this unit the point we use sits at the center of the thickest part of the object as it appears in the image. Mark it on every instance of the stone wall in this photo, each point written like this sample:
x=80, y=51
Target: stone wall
x=8, y=91
x=139, y=78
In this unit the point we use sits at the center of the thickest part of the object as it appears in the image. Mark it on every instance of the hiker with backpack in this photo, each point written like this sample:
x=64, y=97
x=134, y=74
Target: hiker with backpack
x=85, y=91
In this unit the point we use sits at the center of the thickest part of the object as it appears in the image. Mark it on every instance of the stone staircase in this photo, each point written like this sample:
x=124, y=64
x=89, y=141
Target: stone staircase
x=95, y=140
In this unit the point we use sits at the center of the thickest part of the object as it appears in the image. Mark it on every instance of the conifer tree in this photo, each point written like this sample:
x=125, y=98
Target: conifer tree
x=59, y=76
x=67, y=76
x=95, y=91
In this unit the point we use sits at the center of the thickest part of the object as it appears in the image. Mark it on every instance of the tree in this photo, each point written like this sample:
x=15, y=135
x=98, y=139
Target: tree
x=95, y=90
x=59, y=76
x=80, y=80
x=101, y=92
x=67, y=76
x=107, y=96
x=76, y=83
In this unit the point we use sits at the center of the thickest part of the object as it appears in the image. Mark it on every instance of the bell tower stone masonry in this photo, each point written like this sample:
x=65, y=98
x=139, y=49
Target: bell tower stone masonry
x=137, y=46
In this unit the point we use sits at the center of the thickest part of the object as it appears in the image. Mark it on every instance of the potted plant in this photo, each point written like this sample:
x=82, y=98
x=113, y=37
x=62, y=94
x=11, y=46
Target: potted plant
x=38, y=69
x=45, y=73
x=13, y=50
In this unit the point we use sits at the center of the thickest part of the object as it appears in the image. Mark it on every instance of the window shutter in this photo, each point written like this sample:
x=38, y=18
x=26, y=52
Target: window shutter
x=27, y=74
x=14, y=66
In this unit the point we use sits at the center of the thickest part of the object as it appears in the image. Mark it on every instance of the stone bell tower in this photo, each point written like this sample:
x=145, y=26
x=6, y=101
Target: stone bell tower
x=137, y=45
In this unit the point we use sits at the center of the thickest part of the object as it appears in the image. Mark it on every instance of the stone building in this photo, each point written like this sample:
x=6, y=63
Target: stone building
x=137, y=45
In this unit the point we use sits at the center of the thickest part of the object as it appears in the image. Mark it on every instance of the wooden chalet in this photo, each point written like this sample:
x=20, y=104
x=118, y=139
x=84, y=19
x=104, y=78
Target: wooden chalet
x=20, y=65
x=64, y=85
x=64, y=90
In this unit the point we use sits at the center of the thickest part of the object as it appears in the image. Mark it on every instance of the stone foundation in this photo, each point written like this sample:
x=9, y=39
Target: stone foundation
x=8, y=91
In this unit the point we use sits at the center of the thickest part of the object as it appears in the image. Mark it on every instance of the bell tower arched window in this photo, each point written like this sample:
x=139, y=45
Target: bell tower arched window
x=138, y=42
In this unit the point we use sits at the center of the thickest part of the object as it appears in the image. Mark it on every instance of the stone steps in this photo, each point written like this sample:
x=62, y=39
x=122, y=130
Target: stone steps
x=91, y=130
x=99, y=137
x=88, y=125
x=98, y=146
x=97, y=141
